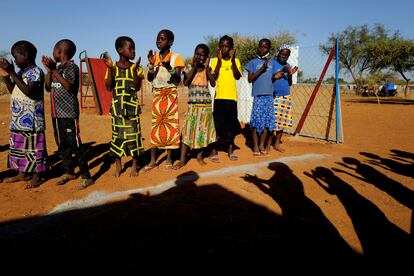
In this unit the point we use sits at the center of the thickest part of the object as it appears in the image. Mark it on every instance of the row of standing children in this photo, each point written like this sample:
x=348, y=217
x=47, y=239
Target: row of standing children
x=204, y=128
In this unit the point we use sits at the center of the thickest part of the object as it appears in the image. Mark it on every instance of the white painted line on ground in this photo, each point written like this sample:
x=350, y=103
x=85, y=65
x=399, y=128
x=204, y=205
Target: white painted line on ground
x=99, y=198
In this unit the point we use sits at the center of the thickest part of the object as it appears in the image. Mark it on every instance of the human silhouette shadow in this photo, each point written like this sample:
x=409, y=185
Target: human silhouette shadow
x=304, y=224
x=403, y=154
x=382, y=241
x=390, y=164
x=370, y=175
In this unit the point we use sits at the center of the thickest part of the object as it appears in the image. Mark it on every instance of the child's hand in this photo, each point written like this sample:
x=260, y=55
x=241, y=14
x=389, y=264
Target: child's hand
x=233, y=56
x=138, y=63
x=48, y=63
x=167, y=65
x=219, y=55
x=207, y=63
x=278, y=75
x=264, y=66
x=194, y=63
x=7, y=66
x=108, y=60
x=293, y=70
x=151, y=56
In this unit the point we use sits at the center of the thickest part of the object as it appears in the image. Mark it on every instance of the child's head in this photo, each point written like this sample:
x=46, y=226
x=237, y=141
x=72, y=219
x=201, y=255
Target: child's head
x=264, y=47
x=201, y=53
x=283, y=54
x=24, y=53
x=125, y=47
x=64, y=47
x=226, y=45
x=165, y=40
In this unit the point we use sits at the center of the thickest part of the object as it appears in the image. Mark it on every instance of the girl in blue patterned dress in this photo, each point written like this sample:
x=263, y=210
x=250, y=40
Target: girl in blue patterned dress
x=262, y=121
x=27, y=153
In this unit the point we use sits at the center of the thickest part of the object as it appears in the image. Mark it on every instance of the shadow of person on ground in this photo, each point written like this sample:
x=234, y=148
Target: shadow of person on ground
x=303, y=220
x=391, y=165
x=382, y=241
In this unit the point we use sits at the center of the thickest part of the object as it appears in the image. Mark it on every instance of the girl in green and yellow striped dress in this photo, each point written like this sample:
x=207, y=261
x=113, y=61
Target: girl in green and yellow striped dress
x=198, y=131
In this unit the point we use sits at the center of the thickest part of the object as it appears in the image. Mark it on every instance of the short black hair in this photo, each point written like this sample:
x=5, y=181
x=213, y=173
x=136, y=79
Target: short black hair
x=120, y=42
x=25, y=47
x=229, y=39
x=169, y=34
x=69, y=47
x=204, y=47
x=267, y=41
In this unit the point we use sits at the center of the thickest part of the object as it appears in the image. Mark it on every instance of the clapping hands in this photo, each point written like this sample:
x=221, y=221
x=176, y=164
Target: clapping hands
x=48, y=63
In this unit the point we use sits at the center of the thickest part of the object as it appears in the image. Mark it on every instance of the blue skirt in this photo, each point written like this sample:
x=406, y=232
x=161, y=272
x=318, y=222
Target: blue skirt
x=263, y=114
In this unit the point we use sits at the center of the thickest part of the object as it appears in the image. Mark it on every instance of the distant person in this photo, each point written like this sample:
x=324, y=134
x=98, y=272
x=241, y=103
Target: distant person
x=27, y=153
x=198, y=131
x=281, y=86
x=227, y=70
x=262, y=120
x=164, y=71
x=124, y=79
x=63, y=83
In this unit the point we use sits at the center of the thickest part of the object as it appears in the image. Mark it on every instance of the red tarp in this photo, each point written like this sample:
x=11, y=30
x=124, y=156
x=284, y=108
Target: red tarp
x=98, y=70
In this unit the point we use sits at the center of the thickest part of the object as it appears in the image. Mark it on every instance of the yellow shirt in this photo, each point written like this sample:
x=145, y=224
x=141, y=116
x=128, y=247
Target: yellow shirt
x=226, y=83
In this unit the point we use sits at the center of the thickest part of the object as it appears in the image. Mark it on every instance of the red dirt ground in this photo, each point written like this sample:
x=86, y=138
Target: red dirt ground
x=353, y=204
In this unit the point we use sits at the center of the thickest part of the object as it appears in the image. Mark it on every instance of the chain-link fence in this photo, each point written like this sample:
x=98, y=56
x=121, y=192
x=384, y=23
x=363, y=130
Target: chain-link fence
x=320, y=121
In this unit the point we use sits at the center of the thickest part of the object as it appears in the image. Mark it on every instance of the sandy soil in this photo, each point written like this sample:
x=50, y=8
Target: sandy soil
x=348, y=203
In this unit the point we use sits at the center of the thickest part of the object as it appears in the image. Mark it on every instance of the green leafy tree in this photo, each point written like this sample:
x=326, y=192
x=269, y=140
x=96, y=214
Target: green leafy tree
x=246, y=46
x=354, y=44
x=396, y=55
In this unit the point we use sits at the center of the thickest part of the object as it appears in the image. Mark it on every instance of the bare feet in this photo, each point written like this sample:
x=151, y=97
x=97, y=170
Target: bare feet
x=201, y=162
x=134, y=172
x=19, y=177
x=149, y=167
x=65, y=179
x=118, y=169
x=34, y=182
x=179, y=165
x=279, y=148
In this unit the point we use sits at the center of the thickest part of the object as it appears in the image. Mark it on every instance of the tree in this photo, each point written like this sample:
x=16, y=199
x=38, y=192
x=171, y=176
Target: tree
x=246, y=46
x=396, y=54
x=354, y=55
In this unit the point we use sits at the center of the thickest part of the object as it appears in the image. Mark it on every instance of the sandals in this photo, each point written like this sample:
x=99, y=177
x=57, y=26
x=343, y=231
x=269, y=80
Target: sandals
x=65, y=179
x=86, y=182
x=147, y=168
x=233, y=156
x=264, y=153
x=214, y=158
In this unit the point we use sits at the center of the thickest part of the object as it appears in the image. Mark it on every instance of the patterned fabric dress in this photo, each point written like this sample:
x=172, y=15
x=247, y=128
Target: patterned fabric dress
x=283, y=112
x=199, y=130
x=27, y=125
x=263, y=114
x=165, y=132
x=125, y=110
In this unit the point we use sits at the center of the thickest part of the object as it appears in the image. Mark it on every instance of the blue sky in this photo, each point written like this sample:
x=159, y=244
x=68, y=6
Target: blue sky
x=94, y=25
